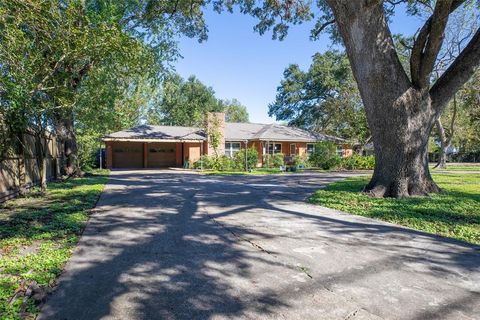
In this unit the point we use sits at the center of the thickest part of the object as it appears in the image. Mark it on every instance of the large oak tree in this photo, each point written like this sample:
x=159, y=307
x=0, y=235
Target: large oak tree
x=401, y=106
x=401, y=110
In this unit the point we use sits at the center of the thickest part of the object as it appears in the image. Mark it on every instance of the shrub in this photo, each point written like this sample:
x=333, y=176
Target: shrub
x=273, y=161
x=252, y=159
x=224, y=163
x=267, y=161
x=325, y=155
x=358, y=162
x=301, y=160
x=278, y=160
x=205, y=162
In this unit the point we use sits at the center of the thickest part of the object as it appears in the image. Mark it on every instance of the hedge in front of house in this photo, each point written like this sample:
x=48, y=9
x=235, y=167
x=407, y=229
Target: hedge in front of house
x=357, y=162
x=325, y=155
x=224, y=163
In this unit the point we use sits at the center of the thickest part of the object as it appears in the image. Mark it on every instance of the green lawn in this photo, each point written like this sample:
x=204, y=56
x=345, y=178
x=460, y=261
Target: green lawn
x=37, y=235
x=457, y=167
x=455, y=213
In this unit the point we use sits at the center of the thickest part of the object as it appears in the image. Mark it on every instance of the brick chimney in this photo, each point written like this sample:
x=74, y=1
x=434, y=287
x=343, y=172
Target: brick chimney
x=216, y=123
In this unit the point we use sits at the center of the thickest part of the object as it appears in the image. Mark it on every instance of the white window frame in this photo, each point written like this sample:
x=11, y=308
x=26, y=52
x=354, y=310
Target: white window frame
x=230, y=152
x=273, y=147
x=313, y=148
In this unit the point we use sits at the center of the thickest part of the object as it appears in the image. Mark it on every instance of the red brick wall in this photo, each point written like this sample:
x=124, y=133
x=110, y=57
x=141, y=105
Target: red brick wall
x=178, y=154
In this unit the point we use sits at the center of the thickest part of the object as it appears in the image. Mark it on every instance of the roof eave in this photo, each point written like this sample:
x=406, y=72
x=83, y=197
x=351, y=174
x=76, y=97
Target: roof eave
x=151, y=140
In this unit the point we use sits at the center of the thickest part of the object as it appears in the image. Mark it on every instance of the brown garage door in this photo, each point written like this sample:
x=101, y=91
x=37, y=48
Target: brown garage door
x=127, y=155
x=161, y=155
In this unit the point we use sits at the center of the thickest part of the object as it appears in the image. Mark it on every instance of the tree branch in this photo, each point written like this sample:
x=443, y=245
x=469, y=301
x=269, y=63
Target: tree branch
x=322, y=27
x=434, y=42
x=457, y=74
x=429, y=41
x=452, y=122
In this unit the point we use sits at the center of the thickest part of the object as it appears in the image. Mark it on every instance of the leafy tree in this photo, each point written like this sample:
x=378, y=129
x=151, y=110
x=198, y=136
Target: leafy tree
x=186, y=102
x=183, y=103
x=324, y=98
x=234, y=111
x=467, y=124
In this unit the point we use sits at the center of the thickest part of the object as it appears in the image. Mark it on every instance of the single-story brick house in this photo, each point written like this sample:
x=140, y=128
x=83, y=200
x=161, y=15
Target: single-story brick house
x=148, y=146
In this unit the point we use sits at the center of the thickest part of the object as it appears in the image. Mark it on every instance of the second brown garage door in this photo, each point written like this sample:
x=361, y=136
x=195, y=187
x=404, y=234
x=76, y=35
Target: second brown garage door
x=161, y=155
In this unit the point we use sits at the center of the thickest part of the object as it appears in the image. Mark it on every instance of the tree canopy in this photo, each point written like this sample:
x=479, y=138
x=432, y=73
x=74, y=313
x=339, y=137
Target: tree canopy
x=324, y=98
x=186, y=102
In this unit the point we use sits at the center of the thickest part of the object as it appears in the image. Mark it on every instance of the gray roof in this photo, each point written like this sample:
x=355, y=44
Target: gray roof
x=273, y=132
x=148, y=132
x=242, y=131
x=233, y=132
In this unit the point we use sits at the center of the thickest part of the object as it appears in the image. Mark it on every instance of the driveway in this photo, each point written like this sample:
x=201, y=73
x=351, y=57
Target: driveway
x=173, y=245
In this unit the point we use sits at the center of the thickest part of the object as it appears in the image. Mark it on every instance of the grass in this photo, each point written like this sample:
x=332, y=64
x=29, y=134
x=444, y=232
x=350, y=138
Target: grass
x=454, y=213
x=458, y=167
x=37, y=235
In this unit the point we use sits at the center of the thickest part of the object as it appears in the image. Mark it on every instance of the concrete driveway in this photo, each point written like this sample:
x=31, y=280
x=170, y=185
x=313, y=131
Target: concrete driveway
x=173, y=245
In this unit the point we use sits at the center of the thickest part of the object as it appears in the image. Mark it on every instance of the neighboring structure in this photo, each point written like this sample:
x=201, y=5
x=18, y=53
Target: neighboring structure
x=19, y=167
x=149, y=146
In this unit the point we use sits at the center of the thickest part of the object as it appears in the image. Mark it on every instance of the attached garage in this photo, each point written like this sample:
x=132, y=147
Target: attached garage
x=153, y=147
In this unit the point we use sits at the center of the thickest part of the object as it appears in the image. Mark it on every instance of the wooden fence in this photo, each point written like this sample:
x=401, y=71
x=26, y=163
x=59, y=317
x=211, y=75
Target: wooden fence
x=22, y=167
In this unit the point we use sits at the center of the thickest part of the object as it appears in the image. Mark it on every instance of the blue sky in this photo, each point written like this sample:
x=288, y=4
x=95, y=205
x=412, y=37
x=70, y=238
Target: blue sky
x=239, y=63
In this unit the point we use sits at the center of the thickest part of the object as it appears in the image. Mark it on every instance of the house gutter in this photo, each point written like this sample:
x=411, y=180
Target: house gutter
x=151, y=140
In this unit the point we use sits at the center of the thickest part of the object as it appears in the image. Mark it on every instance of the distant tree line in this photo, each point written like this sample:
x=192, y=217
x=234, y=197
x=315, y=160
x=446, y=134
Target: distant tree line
x=183, y=102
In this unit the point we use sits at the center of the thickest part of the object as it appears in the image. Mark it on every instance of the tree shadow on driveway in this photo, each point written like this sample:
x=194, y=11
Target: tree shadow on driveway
x=146, y=247
x=179, y=246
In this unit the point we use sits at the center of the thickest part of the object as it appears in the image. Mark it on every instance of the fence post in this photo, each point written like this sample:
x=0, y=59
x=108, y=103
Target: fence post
x=22, y=171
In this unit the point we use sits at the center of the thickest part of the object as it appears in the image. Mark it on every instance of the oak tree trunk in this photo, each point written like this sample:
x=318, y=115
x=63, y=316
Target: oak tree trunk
x=401, y=108
x=66, y=136
x=445, y=141
x=442, y=156
x=41, y=145
x=399, y=114
x=401, y=147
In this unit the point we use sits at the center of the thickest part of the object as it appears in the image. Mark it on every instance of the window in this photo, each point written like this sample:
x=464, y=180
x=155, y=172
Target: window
x=340, y=151
x=154, y=150
x=231, y=148
x=310, y=148
x=274, y=148
x=293, y=149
